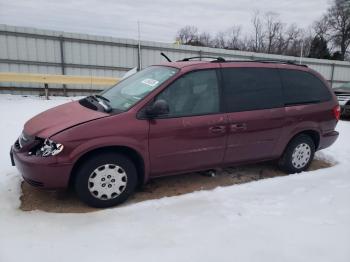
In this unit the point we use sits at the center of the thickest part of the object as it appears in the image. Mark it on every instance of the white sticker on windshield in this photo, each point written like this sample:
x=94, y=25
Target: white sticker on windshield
x=150, y=82
x=126, y=105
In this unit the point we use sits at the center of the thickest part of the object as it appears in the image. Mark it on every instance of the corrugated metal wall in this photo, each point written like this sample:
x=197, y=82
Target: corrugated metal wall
x=31, y=50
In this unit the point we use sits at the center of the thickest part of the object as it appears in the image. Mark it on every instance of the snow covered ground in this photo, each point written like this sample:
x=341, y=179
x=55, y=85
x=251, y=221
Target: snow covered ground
x=303, y=217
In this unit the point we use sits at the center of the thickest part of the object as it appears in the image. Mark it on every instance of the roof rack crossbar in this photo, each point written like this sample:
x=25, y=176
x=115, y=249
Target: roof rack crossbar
x=216, y=58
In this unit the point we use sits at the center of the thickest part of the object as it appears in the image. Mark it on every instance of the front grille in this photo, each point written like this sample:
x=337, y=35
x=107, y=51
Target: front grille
x=33, y=182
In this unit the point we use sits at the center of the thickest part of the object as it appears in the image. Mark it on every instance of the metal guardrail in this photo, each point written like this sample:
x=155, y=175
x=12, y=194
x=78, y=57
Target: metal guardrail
x=47, y=79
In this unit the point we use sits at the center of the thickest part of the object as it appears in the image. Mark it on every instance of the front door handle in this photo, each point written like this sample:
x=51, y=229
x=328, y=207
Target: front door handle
x=217, y=129
x=238, y=127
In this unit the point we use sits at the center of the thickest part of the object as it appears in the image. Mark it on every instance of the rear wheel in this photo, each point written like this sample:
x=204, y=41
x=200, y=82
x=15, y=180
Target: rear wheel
x=298, y=155
x=106, y=180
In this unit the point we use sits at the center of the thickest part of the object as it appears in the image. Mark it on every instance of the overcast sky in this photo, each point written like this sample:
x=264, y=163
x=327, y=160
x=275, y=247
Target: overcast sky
x=160, y=19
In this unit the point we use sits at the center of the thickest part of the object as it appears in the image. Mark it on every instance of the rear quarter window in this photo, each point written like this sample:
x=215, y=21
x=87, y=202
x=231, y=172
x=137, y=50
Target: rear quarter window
x=301, y=87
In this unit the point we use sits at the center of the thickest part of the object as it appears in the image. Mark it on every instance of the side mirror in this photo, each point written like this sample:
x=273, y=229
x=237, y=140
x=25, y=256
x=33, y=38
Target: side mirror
x=158, y=108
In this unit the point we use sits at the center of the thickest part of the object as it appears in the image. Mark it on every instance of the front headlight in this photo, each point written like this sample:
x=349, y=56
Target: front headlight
x=47, y=148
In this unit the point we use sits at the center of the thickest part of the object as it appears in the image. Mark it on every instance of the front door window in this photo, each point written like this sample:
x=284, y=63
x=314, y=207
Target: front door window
x=195, y=93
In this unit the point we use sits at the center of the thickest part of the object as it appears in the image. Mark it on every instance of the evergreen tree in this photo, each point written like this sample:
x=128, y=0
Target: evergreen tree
x=319, y=48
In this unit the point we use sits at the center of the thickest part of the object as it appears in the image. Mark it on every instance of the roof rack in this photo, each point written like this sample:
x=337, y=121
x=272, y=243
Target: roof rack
x=216, y=58
x=223, y=60
x=277, y=61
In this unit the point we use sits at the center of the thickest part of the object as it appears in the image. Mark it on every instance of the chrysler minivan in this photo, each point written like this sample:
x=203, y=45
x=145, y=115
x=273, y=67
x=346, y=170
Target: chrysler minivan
x=178, y=117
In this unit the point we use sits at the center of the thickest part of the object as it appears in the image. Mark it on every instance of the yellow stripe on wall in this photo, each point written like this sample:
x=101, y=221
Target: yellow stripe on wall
x=56, y=79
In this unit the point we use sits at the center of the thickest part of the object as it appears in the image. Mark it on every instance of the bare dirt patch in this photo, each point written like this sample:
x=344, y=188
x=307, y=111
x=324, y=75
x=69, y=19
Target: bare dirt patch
x=67, y=202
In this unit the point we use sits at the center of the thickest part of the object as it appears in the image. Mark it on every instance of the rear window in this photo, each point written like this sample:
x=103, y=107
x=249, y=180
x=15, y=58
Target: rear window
x=247, y=89
x=302, y=88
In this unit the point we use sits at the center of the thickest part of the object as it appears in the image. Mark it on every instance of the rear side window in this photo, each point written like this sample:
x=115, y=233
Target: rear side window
x=302, y=88
x=248, y=89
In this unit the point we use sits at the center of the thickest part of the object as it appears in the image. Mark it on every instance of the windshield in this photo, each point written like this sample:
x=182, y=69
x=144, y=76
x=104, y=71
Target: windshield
x=345, y=86
x=128, y=92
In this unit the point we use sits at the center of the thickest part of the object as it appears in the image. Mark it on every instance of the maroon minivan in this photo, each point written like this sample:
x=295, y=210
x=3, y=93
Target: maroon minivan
x=178, y=117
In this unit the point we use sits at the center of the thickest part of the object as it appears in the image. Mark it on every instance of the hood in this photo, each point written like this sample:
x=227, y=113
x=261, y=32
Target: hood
x=59, y=118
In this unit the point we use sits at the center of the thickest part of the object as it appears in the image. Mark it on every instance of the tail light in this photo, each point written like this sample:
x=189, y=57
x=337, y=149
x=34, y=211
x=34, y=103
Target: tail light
x=336, y=112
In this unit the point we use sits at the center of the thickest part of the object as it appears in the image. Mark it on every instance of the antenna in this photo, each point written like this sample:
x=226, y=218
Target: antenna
x=165, y=56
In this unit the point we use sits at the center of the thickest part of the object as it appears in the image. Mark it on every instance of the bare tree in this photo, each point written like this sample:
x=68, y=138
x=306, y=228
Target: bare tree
x=220, y=40
x=291, y=44
x=205, y=39
x=280, y=45
x=270, y=35
x=338, y=18
x=308, y=37
x=187, y=35
x=233, y=38
x=246, y=43
x=274, y=28
x=321, y=28
x=258, y=33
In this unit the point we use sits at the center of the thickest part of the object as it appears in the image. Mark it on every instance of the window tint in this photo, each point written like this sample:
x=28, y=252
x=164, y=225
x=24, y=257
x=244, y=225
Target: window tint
x=302, y=87
x=195, y=93
x=248, y=89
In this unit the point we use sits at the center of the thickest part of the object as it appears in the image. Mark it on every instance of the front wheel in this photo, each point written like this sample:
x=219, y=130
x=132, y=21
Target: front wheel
x=105, y=180
x=298, y=155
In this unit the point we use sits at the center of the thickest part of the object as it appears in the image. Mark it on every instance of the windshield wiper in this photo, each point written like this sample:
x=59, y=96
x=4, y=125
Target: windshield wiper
x=104, y=102
x=103, y=98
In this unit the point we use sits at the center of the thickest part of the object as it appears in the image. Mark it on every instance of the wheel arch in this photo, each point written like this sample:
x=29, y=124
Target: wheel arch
x=125, y=150
x=313, y=134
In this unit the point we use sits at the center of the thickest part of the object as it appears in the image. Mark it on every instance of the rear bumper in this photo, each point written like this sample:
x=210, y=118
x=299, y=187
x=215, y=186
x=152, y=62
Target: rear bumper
x=43, y=172
x=328, y=139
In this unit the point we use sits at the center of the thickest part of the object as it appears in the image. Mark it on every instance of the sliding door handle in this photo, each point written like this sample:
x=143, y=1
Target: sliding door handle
x=238, y=127
x=217, y=129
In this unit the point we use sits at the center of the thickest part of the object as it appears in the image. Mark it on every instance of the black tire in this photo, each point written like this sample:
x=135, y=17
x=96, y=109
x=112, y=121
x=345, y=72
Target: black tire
x=291, y=165
x=91, y=164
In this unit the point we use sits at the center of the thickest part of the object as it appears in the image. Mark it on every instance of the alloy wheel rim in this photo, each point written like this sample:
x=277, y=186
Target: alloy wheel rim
x=301, y=155
x=107, y=181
